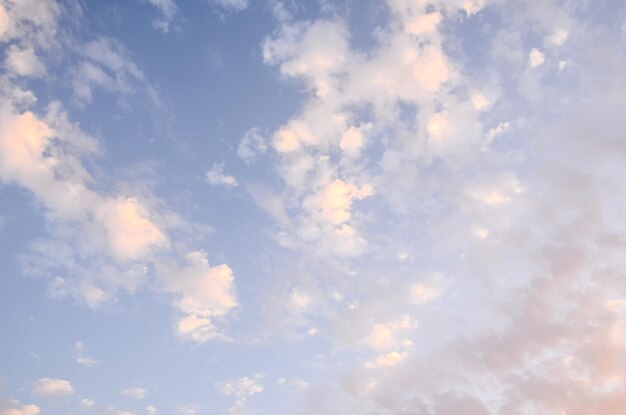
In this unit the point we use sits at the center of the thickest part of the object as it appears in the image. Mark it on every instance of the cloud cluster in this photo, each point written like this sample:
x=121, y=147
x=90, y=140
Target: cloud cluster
x=102, y=241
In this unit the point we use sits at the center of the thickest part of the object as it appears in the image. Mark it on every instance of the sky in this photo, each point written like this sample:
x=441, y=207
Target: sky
x=337, y=207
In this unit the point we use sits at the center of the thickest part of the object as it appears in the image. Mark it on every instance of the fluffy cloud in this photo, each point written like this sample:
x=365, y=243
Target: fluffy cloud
x=101, y=241
x=204, y=293
x=217, y=177
x=52, y=388
x=23, y=62
x=13, y=407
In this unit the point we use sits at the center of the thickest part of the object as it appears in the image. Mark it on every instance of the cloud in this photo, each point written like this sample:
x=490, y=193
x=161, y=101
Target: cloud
x=151, y=410
x=108, y=66
x=169, y=11
x=252, y=145
x=53, y=388
x=23, y=62
x=384, y=336
x=14, y=407
x=204, y=293
x=216, y=177
x=135, y=393
x=231, y=5
x=241, y=389
x=536, y=58
x=81, y=358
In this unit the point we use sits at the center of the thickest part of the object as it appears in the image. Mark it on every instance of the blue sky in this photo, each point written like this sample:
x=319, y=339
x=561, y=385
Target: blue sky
x=312, y=207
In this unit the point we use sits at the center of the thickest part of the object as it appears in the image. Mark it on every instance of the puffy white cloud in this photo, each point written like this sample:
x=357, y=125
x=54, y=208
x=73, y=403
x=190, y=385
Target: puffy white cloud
x=131, y=235
x=52, y=388
x=23, y=62
x=384, y=336
x=386, y=360
x=217, y=177
x=203, y=292
x=151, y=410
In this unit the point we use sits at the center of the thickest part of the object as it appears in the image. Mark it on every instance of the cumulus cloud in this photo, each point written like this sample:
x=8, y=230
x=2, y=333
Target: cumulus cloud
x=204, y=293
x=217, y=177
x=14, y=407
x=23, y=62
x=101, y=240
x=53, y=388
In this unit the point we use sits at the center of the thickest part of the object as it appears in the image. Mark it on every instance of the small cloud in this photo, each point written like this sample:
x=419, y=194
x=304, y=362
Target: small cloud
x=151, y=410
x=386, y=360
x=188, y=409
x=135, y=393
x=536, y=58
x=231, y=5
x=216, y=177
x=251, y=145
x=87, y=403
x=14, y=407
x=81, y=357
x=53, y=388
x=168, y=10
x=24, y=62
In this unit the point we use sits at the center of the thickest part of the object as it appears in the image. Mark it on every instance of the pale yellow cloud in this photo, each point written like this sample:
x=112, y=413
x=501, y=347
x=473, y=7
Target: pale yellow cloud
x=423, y=24
x=336, y=199
x=386, y=360
x=431, y=69
x=14, y=407
x=130, y=233
x=536, y=58
x=384, y=336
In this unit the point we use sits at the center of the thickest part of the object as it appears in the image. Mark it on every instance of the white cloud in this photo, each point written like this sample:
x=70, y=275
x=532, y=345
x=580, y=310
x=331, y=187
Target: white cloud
x=87, y=403
x=536, y=58
x=151, y=410
x=49, y=387
x=386, y=360
x=14, y=407
x=241, y=389
x=384, y=336
x=187, y=409
x=168, y=10
x=23, y=62
x=204, y=293
x=233, y=5
x=252, y=145
x=135, y=393
x=217, y=177
x=87, y=361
